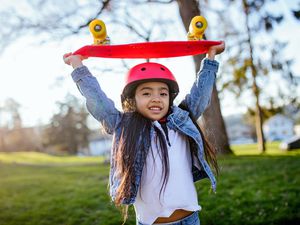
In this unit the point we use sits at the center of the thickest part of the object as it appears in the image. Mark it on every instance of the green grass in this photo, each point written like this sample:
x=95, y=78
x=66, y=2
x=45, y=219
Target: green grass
x=42, y=159
x=272, y=149
x=37, y=189
x=62, y=194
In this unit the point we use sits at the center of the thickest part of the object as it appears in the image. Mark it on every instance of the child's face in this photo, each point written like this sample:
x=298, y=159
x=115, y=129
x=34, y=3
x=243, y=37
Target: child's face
x=152, y=99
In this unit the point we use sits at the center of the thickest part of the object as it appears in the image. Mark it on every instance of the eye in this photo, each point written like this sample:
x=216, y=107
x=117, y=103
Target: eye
x=164, y=94
x=146, y=94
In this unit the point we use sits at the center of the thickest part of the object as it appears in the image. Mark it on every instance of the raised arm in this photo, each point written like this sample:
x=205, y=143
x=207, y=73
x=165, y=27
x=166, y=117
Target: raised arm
x=199, y=97
x=98, y=104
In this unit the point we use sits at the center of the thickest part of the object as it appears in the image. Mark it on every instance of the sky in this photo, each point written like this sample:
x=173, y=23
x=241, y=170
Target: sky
x=35, y=76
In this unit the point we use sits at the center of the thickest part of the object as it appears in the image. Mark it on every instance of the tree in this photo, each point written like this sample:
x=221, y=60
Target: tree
x=212, y=121
x=68, y=128
x=251, y=61
x=12, y=107
x=13, y=136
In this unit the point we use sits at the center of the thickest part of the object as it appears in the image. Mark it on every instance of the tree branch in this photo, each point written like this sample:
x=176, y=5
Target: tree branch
x=105, y=4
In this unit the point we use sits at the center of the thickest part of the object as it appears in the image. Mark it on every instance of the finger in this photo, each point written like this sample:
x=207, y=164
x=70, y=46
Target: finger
x=220, y=48
x=67, y=60
x=67, y=54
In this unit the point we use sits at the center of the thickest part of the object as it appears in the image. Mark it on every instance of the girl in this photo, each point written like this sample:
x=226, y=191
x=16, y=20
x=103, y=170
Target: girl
x=158, y=150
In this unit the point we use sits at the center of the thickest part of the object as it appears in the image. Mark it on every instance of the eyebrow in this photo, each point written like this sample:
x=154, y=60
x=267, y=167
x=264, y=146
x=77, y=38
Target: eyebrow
x=149, y=88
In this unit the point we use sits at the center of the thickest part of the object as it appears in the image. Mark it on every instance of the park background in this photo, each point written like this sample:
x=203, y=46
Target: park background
x=53, y=159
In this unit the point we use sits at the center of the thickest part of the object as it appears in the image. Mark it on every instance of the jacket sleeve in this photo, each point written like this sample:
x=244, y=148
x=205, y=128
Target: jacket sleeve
x=98, y=104
x=200, y=94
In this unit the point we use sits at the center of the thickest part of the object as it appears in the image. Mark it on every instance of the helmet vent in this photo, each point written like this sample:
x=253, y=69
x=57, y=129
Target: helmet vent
x=162, y=68
x=143, y=69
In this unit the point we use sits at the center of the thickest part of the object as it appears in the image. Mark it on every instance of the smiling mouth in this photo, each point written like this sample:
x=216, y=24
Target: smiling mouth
x=155, y=109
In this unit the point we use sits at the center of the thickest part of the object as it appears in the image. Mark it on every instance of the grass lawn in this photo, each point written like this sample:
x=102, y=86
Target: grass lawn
x=38, y=189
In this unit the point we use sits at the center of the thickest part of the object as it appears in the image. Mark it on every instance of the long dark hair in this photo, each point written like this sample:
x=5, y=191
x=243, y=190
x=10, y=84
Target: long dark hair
x=133, y=125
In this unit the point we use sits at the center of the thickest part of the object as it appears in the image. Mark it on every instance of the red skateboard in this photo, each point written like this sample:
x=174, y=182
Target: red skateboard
x=146, y=50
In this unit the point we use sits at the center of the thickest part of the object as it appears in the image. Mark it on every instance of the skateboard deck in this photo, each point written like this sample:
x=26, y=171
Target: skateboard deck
x=146, y=50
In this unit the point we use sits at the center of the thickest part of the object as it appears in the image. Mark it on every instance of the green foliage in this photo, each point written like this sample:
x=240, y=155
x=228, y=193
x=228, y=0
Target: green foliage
x=272, y=109
x=12, y=107
x=266, y=112
x=252, y=189
x=256, y=54
x=68, y=127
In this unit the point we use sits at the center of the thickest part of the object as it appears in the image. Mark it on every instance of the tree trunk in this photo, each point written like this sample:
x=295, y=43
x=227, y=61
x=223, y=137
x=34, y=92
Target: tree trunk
x=212, y=120
x=258, y=114
x=258, y=123
x=2, y=143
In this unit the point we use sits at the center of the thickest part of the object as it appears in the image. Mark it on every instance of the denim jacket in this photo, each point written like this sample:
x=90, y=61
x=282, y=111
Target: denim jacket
x=103, y=109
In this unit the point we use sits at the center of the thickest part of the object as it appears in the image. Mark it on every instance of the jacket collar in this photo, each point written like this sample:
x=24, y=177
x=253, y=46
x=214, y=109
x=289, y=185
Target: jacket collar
x=178, y=115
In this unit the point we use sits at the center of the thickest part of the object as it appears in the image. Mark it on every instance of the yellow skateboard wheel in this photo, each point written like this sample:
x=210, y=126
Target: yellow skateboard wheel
x=98, y=29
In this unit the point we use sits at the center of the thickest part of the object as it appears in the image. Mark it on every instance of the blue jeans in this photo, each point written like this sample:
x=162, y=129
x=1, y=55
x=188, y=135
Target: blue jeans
x=192, y=219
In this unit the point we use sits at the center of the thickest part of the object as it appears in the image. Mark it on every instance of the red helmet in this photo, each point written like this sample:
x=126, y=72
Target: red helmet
x=147, y=72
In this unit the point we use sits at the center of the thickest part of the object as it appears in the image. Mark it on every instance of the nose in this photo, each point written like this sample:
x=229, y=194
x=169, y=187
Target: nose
x=156, y=98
